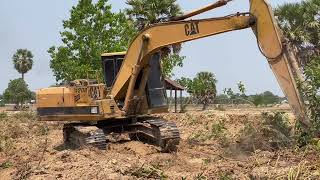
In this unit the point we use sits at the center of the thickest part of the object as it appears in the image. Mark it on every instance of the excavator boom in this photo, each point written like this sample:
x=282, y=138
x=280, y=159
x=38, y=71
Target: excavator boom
x=261, y=19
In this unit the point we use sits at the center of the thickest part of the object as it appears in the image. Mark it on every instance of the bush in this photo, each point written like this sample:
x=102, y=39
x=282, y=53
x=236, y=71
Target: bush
x=6, y=165
x=311, y=91
x=272, y=133
x=17, y=92
x=217, y=131
x=3, y=115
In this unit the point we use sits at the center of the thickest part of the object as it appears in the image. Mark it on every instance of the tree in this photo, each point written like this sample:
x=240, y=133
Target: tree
x=23, y=61
x=1, y=101
x=269, y=98
x=229, y=92
x=185, y=82
x=147, y=12
x=265, y=98
x=17, y=92
x=91, y=30
x=300, y=23
x=202, y=87
x=257, y=100
x=311, y=91
x=242, y=88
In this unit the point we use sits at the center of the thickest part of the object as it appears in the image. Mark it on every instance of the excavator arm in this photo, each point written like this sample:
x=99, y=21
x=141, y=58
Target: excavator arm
x=261, y=19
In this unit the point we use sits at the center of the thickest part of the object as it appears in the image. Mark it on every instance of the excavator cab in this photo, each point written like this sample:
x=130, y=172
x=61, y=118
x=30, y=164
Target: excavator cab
x=111, y=63
x=155, y=91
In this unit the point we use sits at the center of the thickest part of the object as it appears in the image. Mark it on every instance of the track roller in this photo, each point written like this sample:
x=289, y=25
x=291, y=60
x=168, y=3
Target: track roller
x=79, y=136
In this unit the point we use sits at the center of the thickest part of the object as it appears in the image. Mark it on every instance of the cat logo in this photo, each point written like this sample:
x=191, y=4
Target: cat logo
x=191, y=28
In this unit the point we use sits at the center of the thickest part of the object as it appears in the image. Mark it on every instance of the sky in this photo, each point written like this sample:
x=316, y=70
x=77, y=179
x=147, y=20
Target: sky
x=232, y=57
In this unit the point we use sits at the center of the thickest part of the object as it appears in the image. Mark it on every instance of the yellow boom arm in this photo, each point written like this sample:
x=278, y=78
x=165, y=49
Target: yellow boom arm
x=155, y=37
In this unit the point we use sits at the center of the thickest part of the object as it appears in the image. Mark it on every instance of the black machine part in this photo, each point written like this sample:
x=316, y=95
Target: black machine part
x=155, y=90
x=150, y=130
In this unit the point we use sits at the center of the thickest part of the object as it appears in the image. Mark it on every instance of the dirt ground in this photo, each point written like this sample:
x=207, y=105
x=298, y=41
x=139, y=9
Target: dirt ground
x=232, y=144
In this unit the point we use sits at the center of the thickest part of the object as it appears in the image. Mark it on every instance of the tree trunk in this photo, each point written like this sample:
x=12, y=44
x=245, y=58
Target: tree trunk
x=204, y=107
x=22, y=74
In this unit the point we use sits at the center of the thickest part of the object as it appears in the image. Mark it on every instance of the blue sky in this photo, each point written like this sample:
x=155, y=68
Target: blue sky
x=232, y=57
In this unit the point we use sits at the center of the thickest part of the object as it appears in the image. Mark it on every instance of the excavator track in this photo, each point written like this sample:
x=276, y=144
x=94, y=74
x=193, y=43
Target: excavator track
x=154, y=131
x=79, y=136
x=161, y=133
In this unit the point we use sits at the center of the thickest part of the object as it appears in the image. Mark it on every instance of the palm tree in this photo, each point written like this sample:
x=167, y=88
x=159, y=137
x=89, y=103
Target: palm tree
x=300, y=23
x=204, y=88
x=23, y=61
x=147, y=12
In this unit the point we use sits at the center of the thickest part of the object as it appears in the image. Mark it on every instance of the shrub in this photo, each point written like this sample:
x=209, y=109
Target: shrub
x=272, y=133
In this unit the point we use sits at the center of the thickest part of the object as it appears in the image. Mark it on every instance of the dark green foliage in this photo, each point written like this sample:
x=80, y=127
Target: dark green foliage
x=23, y=61
x=242, y=88
x=300, y=23
x=3, y=115
x=5, y=165
x=311, y=91
x=170, y=62
x=91, y=30
x=202, y=87
x=17, y=92
x=278, y=121
x=257, y=99
x=147, y=12
x=2, y=103
x=266, y=98
x=217, y=130
x=272, y=133
x=229, y=92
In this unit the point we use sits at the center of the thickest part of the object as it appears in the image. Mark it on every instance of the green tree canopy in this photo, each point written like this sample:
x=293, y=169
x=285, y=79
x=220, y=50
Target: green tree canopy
x=17, y=92
x=242, y=88
x=23, y=61
x=300, y=23
x=266, y=98
x=146, y=12
x=202, y=87
x=229, y=92
x=91, y=30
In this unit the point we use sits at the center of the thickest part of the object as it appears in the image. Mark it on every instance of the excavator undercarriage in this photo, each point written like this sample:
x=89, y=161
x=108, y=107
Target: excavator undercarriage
x=150, y=130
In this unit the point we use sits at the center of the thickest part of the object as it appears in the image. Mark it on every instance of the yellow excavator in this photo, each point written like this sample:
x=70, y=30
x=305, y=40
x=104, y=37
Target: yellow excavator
x=133, y=89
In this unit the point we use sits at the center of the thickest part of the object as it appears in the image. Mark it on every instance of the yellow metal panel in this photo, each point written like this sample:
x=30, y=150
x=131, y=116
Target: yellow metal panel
x=114, y=54
x=55, y=97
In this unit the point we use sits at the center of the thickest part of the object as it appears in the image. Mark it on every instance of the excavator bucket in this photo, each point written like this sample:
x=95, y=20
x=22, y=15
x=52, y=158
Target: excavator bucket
x=273, y=46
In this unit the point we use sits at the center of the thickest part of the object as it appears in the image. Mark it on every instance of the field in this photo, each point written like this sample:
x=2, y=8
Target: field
x=225, y=144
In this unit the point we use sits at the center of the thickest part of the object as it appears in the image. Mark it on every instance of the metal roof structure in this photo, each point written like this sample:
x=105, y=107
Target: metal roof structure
x=173, y=85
